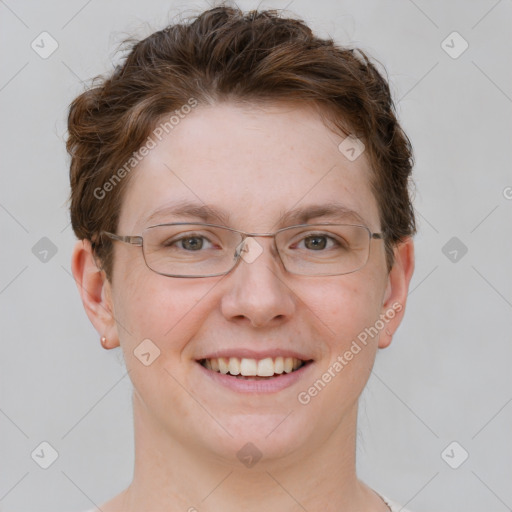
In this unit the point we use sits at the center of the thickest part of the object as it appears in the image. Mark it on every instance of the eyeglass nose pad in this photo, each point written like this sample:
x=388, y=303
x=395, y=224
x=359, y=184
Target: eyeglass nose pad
x=249, y=250
x=240, y=249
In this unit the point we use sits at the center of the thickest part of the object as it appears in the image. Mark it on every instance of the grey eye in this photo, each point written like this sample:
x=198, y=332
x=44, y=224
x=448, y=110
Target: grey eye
x=193, y=243
x=315, y=242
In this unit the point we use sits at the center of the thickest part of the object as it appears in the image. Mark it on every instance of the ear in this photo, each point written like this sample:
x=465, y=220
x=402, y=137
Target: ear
x=395, y=296
x=96, y=292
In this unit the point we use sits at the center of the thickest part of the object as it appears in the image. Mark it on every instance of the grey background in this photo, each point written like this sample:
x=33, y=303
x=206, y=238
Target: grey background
x=445, y=378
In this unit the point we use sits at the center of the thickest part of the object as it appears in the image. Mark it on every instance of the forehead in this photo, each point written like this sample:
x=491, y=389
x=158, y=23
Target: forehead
x=256, y=166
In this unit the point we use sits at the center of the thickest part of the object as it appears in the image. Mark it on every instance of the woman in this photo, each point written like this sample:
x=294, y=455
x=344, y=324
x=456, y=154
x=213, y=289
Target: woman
x=240, y=196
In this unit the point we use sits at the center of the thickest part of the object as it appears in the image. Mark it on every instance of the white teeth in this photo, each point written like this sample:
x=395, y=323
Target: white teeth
x=223, y=365
x=252, y=367
x=265, y=367
x=234, y=366
x=249, y=367
x=288, y=364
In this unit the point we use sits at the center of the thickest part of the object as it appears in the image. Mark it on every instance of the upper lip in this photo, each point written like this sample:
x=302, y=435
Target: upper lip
x=247, y=353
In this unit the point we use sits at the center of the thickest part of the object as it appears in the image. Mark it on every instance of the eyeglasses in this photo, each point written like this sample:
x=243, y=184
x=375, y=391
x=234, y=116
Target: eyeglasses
x=185, y=249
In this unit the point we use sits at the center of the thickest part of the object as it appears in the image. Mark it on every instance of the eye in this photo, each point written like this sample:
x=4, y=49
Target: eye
x=317, y=242
x=192, y=243
x=189, y=243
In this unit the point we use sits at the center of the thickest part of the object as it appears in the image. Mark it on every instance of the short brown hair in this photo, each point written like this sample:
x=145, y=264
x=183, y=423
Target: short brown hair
x=225, y=54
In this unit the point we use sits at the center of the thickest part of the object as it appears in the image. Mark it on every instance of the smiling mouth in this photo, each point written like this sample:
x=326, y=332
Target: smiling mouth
x=253, y=369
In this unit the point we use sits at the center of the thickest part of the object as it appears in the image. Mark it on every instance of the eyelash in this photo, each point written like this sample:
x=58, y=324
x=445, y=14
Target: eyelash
x=304, y=237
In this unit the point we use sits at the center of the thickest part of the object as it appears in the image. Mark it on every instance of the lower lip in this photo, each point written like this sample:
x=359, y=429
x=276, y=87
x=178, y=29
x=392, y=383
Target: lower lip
x=270, y=385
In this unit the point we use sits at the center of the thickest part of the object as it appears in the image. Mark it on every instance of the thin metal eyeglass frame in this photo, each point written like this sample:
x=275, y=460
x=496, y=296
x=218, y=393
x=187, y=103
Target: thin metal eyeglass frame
x=138, y=240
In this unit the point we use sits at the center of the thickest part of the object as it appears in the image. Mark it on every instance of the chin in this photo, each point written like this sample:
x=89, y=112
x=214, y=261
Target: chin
x=265, y=437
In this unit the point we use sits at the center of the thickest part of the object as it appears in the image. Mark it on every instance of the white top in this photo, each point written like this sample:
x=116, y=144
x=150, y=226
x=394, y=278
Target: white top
x=395, y=507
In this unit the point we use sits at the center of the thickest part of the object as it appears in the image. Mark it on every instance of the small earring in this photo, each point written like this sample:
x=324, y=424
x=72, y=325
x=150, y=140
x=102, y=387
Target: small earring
x=388, y=333
x=104, y=341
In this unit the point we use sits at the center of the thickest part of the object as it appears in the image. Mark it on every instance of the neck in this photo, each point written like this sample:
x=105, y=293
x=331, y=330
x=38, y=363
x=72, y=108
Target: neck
x=173, y=475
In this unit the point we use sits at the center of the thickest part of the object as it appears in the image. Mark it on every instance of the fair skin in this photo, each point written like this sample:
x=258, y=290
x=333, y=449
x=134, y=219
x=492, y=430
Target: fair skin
x=255, y=164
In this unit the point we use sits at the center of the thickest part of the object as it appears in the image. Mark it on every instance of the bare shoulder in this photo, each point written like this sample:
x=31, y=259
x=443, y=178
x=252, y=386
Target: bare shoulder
x=394, y=506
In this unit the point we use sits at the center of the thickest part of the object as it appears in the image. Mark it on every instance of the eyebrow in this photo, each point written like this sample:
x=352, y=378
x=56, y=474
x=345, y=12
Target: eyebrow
x=214, y=215
x=208, y=214
x=334, y=211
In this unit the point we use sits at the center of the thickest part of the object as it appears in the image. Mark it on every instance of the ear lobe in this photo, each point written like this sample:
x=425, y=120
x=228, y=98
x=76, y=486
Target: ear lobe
x=397, y=288
x=95, y=291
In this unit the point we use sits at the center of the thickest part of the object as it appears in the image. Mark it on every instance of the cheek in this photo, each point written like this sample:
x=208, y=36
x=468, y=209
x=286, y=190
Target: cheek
x=349, y=309
x=345, y=309
x=169, y=312
x=165, y=310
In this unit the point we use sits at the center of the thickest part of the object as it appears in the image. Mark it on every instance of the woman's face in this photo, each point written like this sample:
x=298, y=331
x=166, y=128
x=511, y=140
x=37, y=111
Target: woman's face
x=252, y=165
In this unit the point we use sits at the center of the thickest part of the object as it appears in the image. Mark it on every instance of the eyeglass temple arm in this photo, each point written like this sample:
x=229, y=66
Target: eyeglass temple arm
x=129, y=239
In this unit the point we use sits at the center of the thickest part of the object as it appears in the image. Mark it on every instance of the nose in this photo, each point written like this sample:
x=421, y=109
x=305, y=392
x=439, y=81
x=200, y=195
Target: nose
x=256, y=289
